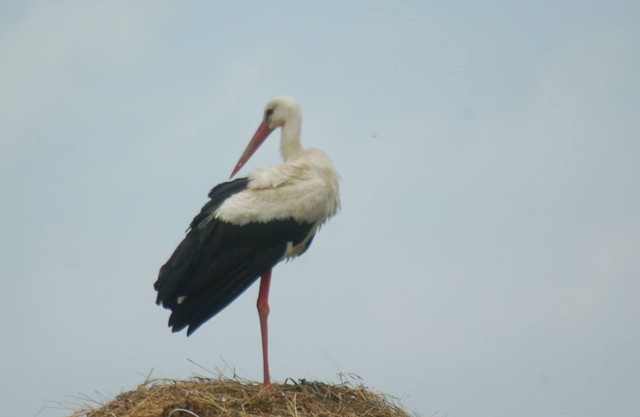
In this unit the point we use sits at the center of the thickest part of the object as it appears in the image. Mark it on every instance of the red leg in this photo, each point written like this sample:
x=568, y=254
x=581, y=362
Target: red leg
x=263, y=312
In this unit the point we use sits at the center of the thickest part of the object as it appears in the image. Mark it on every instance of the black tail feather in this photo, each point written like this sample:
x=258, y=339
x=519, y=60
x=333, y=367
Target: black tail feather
x=197, y=308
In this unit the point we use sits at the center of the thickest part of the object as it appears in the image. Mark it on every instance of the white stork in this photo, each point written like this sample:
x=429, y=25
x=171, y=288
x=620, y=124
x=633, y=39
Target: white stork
x=248, y=226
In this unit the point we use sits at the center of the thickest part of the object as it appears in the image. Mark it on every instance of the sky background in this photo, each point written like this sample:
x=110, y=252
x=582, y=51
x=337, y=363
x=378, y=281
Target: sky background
x=485, y=261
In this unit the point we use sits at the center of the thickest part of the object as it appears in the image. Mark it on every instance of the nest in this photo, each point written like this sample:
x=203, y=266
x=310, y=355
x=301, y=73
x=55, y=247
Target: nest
x=205, y=397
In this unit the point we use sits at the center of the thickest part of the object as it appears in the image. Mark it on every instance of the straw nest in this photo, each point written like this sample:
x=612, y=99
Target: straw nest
x=205, y=397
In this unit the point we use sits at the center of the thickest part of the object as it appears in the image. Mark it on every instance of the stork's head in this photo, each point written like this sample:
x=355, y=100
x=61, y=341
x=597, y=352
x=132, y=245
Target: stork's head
x=278, y=112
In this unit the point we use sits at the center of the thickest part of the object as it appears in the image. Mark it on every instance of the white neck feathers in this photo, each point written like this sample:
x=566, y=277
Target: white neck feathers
x=290, y=146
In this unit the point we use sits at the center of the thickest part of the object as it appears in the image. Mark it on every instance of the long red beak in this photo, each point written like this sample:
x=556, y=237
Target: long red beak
x=258, y=138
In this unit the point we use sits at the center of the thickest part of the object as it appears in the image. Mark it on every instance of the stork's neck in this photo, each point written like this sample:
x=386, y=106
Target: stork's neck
x=290, y=146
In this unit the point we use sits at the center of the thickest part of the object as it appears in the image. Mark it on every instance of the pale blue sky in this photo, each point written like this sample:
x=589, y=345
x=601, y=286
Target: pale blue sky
x=485, y=262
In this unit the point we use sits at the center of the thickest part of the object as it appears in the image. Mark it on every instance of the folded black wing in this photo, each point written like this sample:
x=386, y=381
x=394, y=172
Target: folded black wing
x=217, y=261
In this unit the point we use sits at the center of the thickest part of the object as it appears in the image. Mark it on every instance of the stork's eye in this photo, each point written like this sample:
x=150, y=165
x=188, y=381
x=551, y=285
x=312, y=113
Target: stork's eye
x=268, y=113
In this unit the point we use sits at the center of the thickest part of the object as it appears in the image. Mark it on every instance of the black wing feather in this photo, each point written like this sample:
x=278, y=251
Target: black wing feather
x=217, y=195
x=217, y=261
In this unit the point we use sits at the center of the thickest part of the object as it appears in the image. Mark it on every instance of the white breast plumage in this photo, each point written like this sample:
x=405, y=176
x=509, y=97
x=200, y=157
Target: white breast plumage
x=304, y=189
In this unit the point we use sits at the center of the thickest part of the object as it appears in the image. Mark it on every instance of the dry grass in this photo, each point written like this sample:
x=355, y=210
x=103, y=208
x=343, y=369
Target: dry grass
x=205, y=397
